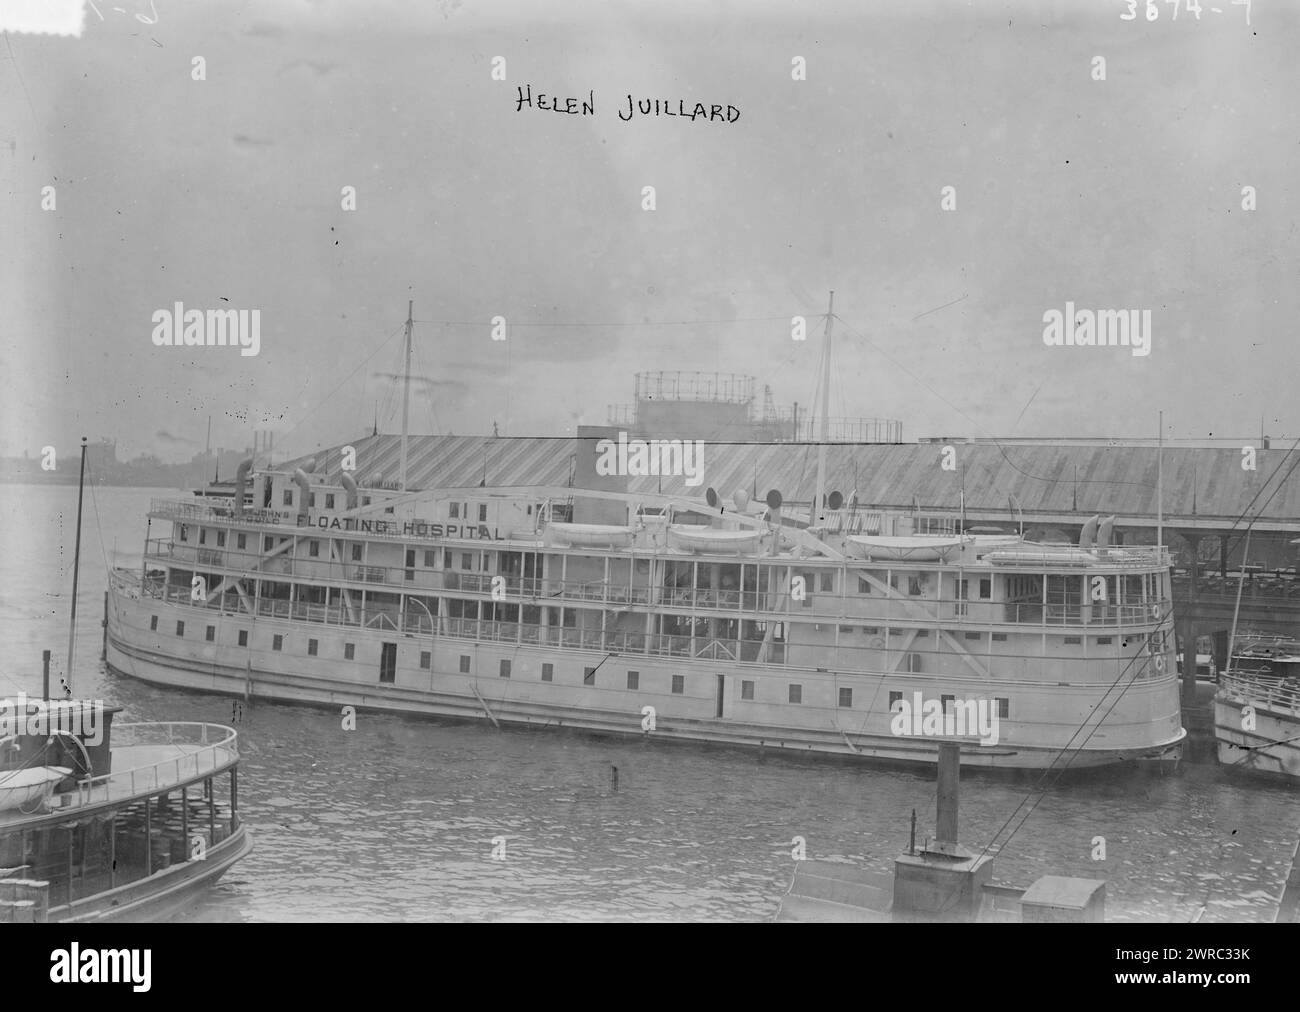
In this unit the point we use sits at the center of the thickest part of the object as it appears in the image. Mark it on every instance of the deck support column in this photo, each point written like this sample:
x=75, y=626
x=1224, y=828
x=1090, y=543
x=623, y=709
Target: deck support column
x=112, y=851
x=1186, y=635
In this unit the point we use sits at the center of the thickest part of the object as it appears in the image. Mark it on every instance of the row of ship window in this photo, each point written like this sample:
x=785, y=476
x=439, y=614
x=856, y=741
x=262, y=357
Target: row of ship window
x=795, y=694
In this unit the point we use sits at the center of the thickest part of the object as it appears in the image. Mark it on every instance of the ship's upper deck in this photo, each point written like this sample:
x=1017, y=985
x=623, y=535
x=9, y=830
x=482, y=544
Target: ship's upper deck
x=525, y=519
x=147, y=759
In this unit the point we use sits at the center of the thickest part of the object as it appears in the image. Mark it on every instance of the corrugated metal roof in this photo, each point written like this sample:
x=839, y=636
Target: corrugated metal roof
x=1050, y=478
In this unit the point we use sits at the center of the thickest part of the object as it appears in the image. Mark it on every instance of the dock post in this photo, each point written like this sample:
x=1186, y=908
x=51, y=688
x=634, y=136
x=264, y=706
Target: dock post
x=45, y=677
x=948, y=793
x=103, y=645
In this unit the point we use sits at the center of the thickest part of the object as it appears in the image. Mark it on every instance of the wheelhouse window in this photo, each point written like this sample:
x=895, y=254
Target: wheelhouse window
x=846, y=697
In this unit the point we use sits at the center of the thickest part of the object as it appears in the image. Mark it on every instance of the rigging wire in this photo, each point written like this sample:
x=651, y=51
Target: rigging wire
x=1043, y=791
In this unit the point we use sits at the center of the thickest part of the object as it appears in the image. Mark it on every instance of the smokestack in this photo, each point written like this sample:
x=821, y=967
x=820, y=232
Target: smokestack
x=350, y=486
x=241, y=482
x=303, y=482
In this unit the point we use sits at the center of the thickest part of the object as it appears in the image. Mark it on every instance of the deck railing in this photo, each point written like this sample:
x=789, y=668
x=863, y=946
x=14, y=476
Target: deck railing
x=217, y=747
x=1267, y=692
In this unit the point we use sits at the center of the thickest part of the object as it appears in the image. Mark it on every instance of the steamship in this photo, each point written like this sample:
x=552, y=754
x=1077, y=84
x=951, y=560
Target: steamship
x=667, y=616
x=596, y=606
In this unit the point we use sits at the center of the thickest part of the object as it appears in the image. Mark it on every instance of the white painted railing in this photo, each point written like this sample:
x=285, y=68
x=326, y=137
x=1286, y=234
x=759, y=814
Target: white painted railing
x=217, y=746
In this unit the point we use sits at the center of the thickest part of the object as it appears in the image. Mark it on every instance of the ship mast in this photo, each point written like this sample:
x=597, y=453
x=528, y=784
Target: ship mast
x=1160, y=481
x=825, y=429
x=406, y=390
x=76, y=568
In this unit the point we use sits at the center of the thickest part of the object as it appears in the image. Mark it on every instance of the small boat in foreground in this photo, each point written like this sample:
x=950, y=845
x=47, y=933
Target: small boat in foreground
x=126, y=823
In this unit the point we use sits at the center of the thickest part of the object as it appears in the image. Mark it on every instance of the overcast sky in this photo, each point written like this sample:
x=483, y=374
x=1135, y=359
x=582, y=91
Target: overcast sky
x=1116, y=194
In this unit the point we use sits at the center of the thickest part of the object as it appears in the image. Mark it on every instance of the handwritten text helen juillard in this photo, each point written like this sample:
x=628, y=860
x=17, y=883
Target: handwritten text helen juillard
x=627, y=109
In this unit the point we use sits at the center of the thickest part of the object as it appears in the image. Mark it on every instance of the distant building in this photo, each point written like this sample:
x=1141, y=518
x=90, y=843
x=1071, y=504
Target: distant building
x=723, y=407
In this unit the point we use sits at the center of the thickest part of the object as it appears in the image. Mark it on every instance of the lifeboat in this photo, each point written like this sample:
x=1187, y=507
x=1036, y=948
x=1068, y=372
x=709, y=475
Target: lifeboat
x=915, y=548
x=688, y=538
x=593, y=535
x=1064, y=555
x=30, y=787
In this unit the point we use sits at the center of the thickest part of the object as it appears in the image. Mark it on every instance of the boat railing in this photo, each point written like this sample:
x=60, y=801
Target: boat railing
x=1268, y=692
x=388, y=616
x=1079, y=616
x=610, y=641
x=216, y=746
x=214, y=510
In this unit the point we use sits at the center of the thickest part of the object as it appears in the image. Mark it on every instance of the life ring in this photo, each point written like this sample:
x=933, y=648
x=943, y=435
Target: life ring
x=878, y=643
x=1160, y=664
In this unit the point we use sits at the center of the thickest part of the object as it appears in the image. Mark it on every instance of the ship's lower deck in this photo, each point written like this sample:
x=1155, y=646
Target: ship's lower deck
x=1040, y=723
